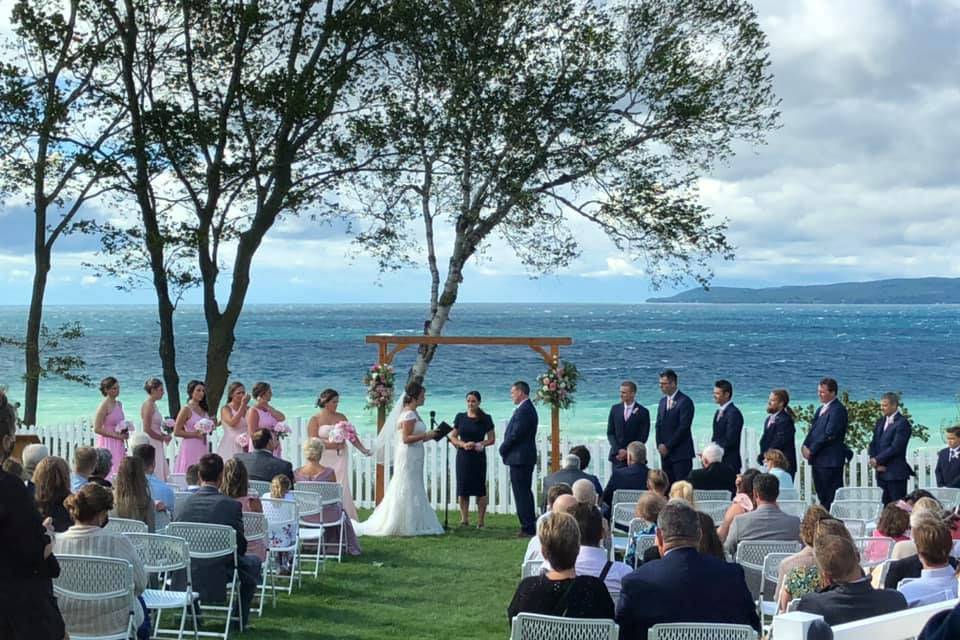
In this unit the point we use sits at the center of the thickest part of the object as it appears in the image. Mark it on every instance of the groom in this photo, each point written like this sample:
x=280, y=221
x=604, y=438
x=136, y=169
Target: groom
x=519, y=452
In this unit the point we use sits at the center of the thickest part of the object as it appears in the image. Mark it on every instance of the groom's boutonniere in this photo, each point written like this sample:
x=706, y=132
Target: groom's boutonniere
x=635, y=411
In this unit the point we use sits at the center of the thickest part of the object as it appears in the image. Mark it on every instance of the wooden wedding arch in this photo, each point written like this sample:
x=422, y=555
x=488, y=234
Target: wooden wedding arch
x=548, y=348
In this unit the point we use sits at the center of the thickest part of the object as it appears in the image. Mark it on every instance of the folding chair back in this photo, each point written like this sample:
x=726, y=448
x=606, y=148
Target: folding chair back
x=751, y=554
x=711, y=494
x=701, y=631
x=868, y=510
x=716, y=509
x=535, y=626
x=125, y=525
x=88, y=584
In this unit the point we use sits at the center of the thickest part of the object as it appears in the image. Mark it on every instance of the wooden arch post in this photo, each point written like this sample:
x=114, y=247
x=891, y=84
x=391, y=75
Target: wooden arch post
x=548, y=348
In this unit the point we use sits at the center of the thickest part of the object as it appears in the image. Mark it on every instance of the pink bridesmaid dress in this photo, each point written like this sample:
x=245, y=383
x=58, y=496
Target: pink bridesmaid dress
x=339, y=461
x=267, y=421
x=191, y=449
x=116, y=447
x=331, y=535
x=156, y=422
x=228, y=446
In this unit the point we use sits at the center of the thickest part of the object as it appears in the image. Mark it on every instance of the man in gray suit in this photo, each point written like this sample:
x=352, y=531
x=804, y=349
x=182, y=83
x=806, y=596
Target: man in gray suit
x=767, y=521
x=209, y=506
x=261, y=464
x=568, y=473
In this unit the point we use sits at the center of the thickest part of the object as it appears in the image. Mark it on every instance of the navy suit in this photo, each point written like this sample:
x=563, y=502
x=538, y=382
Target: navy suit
x=632, y=476
x=519, y=452
x=827, y=450
x=948, y=471
x=889, y=449
x=780, y=434
x=684, y=586
x=727, y=429
x=674, y=432
x=622, y=432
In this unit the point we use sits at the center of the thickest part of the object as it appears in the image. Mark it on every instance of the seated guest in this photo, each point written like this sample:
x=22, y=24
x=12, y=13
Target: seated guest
x=804, y=579
x=235, y=484
x=164, y=498
x=192, y=478
x=209, y=506
x=593, y=559
x=52, y=486
x=31, y=457
x=648, y=509
x=14, y=468
x=89, y=508
x=261, y=464
x=313, y=471
x=803, y=559
x=568, y=473
x=742, y=501
x=909, y=567
x=658, y=482
x=632, y=476
x=710, y=544
x=585, y=492
x=560, y=591
x=847, y=595
x=947, y=471
x=555, y=493
x=131, y=497
x=102, y=469
x=892, y=523
x=938, y=580
x=683, y=490
x=584, y=455
x=907, y=548
x=767, y=521
x=942, y=626
x=84, y=463
x=685, y=585
x=714, y=475
x=778, y=465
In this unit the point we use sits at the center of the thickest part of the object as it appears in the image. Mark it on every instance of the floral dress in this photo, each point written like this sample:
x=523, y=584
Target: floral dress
x=802, y=580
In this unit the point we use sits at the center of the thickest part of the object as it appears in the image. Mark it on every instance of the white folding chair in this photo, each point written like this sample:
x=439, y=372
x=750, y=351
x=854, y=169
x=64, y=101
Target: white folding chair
x=771, y=574
x=701, y=631
x=310, y=504
x=162, y=555
x=208, y=542
x=857, y=528
x=86, y=580
x=789, y=494
x=866, y=510
x=628, y=495
x=331, y=494
x=178, y=480
x=644, y=542
x=258, y=487
x=716, y=509
x=793, y=507
x=531, y=568
x=750, y=556
x=874, y=550
x=711, y=494
x=282, y=514
x=535, y=626
x=181, y=496
x=255, y=529
x=947, y=496
x=125, y=525
x=859, y=494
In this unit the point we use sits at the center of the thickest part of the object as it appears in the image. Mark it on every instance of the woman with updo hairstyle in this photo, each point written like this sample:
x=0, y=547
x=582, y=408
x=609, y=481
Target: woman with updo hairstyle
x=313, y=470
x=472, y=433
x=153, y=426
x=193, y=441
x=336, y=455
x=89, y=508
x=262, y=415
x=51, y=479
x=107, y=423
x=233, y=418
x=131, y=494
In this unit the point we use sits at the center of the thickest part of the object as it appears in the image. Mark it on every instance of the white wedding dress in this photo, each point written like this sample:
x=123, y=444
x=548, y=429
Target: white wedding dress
x=405, y=509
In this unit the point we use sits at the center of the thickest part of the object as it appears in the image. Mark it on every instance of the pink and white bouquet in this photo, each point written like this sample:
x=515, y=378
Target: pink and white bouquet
x=167, y=425
x=206, y=425
x=380, y=381
x=557, y=386
x=124, y=426
x=342, y=432
x=243, y=440
x=282, y=429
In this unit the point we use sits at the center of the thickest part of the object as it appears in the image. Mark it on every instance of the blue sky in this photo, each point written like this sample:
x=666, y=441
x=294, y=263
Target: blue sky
x=861, y=182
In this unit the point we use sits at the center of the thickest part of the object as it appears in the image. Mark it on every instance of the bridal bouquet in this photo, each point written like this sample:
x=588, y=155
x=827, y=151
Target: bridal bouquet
x=243, y=440
x=206, y=425
x=282, y=429
x=557, y=386
x=379, y=380
x=167, y=426
x=343, y=432
x=124, y=426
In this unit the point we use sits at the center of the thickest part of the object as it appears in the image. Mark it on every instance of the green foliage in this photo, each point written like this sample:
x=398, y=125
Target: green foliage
x=57, y=346
x=863, y=416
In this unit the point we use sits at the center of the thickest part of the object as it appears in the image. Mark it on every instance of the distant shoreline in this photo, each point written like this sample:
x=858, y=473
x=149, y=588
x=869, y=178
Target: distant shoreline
x=902, y=291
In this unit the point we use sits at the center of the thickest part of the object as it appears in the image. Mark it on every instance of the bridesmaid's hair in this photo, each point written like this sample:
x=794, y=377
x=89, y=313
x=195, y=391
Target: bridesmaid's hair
x=88, y=501
x=235, y=479
x=106, y=384
x=279, y=486
x=232, y=389
x=326, y=396
x=193, y=384
x=412, y=392
x=259, y=389
x=476, y=394
x=151, y=384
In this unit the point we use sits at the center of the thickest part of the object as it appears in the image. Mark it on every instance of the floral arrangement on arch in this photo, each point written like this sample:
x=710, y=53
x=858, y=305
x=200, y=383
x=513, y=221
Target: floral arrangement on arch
x=557, y=385
x=379, y=380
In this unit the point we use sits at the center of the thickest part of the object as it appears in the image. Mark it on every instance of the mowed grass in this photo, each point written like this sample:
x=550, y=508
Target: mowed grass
x=452, y=586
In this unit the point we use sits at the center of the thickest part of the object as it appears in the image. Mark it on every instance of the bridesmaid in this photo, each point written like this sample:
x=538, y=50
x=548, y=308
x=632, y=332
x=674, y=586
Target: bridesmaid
x=110, y=414
x=233, y=417
x=153, y=425
x=262, y=416
x=314, y=471
x=319, y=426
x=193, y=442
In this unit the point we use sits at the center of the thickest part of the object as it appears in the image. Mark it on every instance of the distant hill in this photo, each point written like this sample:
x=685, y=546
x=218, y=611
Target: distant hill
x=895, y=291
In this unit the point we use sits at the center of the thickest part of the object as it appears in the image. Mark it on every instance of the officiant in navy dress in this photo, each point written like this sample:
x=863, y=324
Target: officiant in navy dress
x=674, y=423
x=519, y=452
x=629, y=421
x=888, y=449
x=472, y=433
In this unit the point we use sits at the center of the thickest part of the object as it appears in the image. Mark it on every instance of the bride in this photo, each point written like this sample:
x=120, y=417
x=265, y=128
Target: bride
x=405, y=509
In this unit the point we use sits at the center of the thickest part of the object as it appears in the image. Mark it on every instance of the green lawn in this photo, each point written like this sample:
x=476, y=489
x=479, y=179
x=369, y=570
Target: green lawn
x=452, y=586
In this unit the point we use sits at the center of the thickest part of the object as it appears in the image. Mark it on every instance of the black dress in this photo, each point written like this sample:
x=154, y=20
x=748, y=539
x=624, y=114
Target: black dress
x=580, y=597
x=472, y=465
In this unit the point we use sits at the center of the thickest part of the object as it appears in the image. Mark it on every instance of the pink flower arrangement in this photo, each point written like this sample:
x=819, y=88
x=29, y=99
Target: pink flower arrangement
x=557, y=386
x=282, y=429
x=167, y=425
x=124, y=426
x=380, y=381
x=243, y=440
x=343, y=432
x=206, y=425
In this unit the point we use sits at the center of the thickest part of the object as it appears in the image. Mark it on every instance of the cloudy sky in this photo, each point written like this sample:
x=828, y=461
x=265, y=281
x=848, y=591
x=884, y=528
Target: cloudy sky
x=861, y=182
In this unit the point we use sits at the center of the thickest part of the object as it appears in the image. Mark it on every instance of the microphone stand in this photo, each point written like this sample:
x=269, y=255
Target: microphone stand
x=446, y=473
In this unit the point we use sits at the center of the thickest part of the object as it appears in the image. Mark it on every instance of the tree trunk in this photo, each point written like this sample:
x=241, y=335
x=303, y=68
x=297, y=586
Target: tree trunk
x=444, y=304
x=220, y=341
x=34, y=323
x=168, y=351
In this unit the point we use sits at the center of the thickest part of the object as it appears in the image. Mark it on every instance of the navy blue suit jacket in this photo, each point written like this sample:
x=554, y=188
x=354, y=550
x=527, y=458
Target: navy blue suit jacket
x=947, y=471
x=826, y=436
x=674, y=427
x=780, y=435
x=726, y=433
x=632, y=476
x=622, y=432
x=889, y=448
x=519, y=446
x=684, y=586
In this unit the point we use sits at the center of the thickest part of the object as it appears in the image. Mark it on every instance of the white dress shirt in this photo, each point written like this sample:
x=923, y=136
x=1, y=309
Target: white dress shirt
x=930, y=587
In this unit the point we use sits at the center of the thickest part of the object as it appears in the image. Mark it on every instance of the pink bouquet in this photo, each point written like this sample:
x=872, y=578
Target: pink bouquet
x=343, y=432
x=282, y=429
x=124, y=427
x=167, y=425
x=243, y=440
x=206, y=425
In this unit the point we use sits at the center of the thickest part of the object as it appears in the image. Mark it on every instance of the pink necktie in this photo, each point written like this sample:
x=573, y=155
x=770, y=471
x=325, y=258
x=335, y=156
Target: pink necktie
x=626, y=413
x=888, y=424
x=669, y=404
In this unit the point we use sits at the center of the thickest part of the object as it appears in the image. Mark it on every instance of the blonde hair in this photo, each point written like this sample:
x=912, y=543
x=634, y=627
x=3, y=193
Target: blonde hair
x=559, y=536
x=684, y=491
x=657, y=481
x=777, y=459
x=279, y=486
x=313, y=449
x=649, y=506
x=235, y=481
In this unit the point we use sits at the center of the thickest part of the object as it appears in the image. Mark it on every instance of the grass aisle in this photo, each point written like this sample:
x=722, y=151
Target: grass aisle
x=452, y=586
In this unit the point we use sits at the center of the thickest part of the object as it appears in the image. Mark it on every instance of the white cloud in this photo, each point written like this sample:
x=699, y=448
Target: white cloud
x=18, y=274
x=87, y=281
x=616, y=267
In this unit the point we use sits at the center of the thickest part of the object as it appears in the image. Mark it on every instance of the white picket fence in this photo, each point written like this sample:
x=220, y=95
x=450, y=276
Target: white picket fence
x=440, y=466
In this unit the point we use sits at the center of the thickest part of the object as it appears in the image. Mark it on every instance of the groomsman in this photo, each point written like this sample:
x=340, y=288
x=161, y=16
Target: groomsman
x=824, y=445
x=948, y=461
x=519, y=452
x=779, y=431
x=629, y=421
x=673, y=429
x=888, y=449
x=727, y=425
